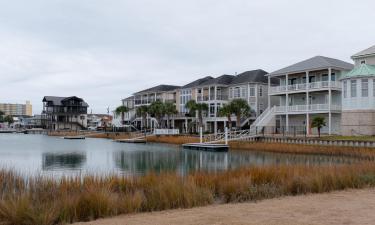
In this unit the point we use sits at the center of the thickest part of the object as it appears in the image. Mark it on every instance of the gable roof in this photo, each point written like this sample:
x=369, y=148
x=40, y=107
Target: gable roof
x=197, y=82
x=366, y=52
x=159, y=88
x=314, y=63
x=363, y=70
x=58, y=100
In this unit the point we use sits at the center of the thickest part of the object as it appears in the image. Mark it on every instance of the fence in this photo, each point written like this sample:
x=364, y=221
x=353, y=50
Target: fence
x=166, y=131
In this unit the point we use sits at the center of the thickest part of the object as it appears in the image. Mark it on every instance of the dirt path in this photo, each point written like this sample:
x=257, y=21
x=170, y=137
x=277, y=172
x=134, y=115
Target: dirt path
x=341, y=208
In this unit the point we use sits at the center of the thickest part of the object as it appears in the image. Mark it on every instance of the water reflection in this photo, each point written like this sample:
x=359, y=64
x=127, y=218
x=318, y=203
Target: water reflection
x=185, y=161
x=54, y=161
x=34, y=154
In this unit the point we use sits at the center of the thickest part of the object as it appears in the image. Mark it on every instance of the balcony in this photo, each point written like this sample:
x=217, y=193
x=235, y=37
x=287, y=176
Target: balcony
x=206, y=98
x=314, y=86
x=313, y=108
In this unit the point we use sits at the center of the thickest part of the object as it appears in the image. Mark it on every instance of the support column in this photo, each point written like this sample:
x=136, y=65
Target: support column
x=269, y=92
x=286, y=104
x=209, y=93
x=329, y=102
x=186, y=126
x=215, y=109
x=307, y=104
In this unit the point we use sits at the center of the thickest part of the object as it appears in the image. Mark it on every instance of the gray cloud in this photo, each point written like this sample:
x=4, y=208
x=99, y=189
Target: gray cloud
x=106, y=50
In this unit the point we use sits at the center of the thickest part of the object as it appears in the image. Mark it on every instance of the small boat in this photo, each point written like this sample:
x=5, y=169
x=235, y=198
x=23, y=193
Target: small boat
x=75, y=137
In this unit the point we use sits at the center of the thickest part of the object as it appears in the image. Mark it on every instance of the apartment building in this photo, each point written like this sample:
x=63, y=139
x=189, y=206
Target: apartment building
x=215, y=92
x=64, y=113
x=17, y=109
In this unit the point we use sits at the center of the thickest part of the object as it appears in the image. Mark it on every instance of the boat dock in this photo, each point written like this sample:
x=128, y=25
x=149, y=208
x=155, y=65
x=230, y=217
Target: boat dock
x=134, y=141
x=74, y=137
x=206, y=147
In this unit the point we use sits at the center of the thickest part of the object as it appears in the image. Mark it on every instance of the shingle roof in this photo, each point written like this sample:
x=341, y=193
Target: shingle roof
x=253, y=76
x=197, y=82
x=160, y=88
x=315, y=63
x=362, y=70
x=223, y=79
x=366, y=52
x=58, y=100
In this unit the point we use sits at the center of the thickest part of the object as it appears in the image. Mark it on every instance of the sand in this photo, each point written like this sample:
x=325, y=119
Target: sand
x=341, y=208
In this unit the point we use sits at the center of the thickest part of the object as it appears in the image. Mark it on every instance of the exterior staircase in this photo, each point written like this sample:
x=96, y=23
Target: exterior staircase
x=263, y=119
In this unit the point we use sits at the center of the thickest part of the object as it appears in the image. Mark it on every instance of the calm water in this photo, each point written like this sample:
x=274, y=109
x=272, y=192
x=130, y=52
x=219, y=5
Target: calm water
x=39, y=154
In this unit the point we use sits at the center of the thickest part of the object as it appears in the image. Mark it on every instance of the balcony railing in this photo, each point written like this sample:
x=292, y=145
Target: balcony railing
x=203, y=98
x=307, y=108
x=304, y=86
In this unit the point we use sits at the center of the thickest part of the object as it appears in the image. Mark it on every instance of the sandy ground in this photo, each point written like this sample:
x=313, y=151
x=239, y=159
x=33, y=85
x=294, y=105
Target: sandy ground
x=341, y=208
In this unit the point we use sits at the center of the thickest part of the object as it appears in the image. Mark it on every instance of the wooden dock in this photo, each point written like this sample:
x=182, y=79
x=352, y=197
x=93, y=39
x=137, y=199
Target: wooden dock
x=134, y=141
x=206, y=147
x=74, y=137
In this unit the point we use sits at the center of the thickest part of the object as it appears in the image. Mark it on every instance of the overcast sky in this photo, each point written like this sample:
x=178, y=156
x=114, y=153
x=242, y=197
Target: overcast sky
x=104, y=51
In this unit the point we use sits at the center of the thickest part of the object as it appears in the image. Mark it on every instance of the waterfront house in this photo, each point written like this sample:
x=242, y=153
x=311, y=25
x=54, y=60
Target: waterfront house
x=215, y=92
x=358, y=95
x=307, y=89
x=65, y=113
x=163, y=93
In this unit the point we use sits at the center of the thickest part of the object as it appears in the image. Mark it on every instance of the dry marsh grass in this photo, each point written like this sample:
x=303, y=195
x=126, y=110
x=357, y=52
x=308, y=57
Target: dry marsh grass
x=46, y=201
x=359, y=152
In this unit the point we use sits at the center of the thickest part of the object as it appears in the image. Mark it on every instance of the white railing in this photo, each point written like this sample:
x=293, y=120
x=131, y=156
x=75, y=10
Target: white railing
x=269, y=111
x=166, y=131
x=303, y=86
x=307, y=108
x=231, y=135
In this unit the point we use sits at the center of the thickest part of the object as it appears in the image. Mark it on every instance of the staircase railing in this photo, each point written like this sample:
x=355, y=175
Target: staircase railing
x=262, y=116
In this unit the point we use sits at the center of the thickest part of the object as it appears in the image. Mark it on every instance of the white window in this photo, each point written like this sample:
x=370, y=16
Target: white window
x=237, y=92
x=252, y=91
x=353, y=88
x=345, y=89
x=260, y=91
x=243, y=92
x=364, y=87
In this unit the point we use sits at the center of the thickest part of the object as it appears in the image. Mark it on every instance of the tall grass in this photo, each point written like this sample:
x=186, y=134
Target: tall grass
x=44, y=201
x=358, y=152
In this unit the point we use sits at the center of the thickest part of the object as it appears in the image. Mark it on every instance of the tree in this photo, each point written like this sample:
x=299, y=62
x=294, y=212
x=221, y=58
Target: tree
x=157, y=109
x=142, y=111
x=2, y=116
x=169, y=109
x=9, y=119
x=240, y=108
x=121, y=110
x=318, y=122
x=226, y=111
x=199, y=107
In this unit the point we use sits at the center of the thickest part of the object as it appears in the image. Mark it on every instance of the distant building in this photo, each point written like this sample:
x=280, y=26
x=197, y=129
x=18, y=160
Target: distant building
x=17, y=109
x=99, y=121
x=65, y=113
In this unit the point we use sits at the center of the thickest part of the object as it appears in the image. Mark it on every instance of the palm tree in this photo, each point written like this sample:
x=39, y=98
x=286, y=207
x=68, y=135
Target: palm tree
x=121, y=110
x=9, y=119
x=240, y=108
x=193, y=106
x=169, y=109
x=226, y=111
x=142, y=111
x=318, y=122
x=157, y=109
